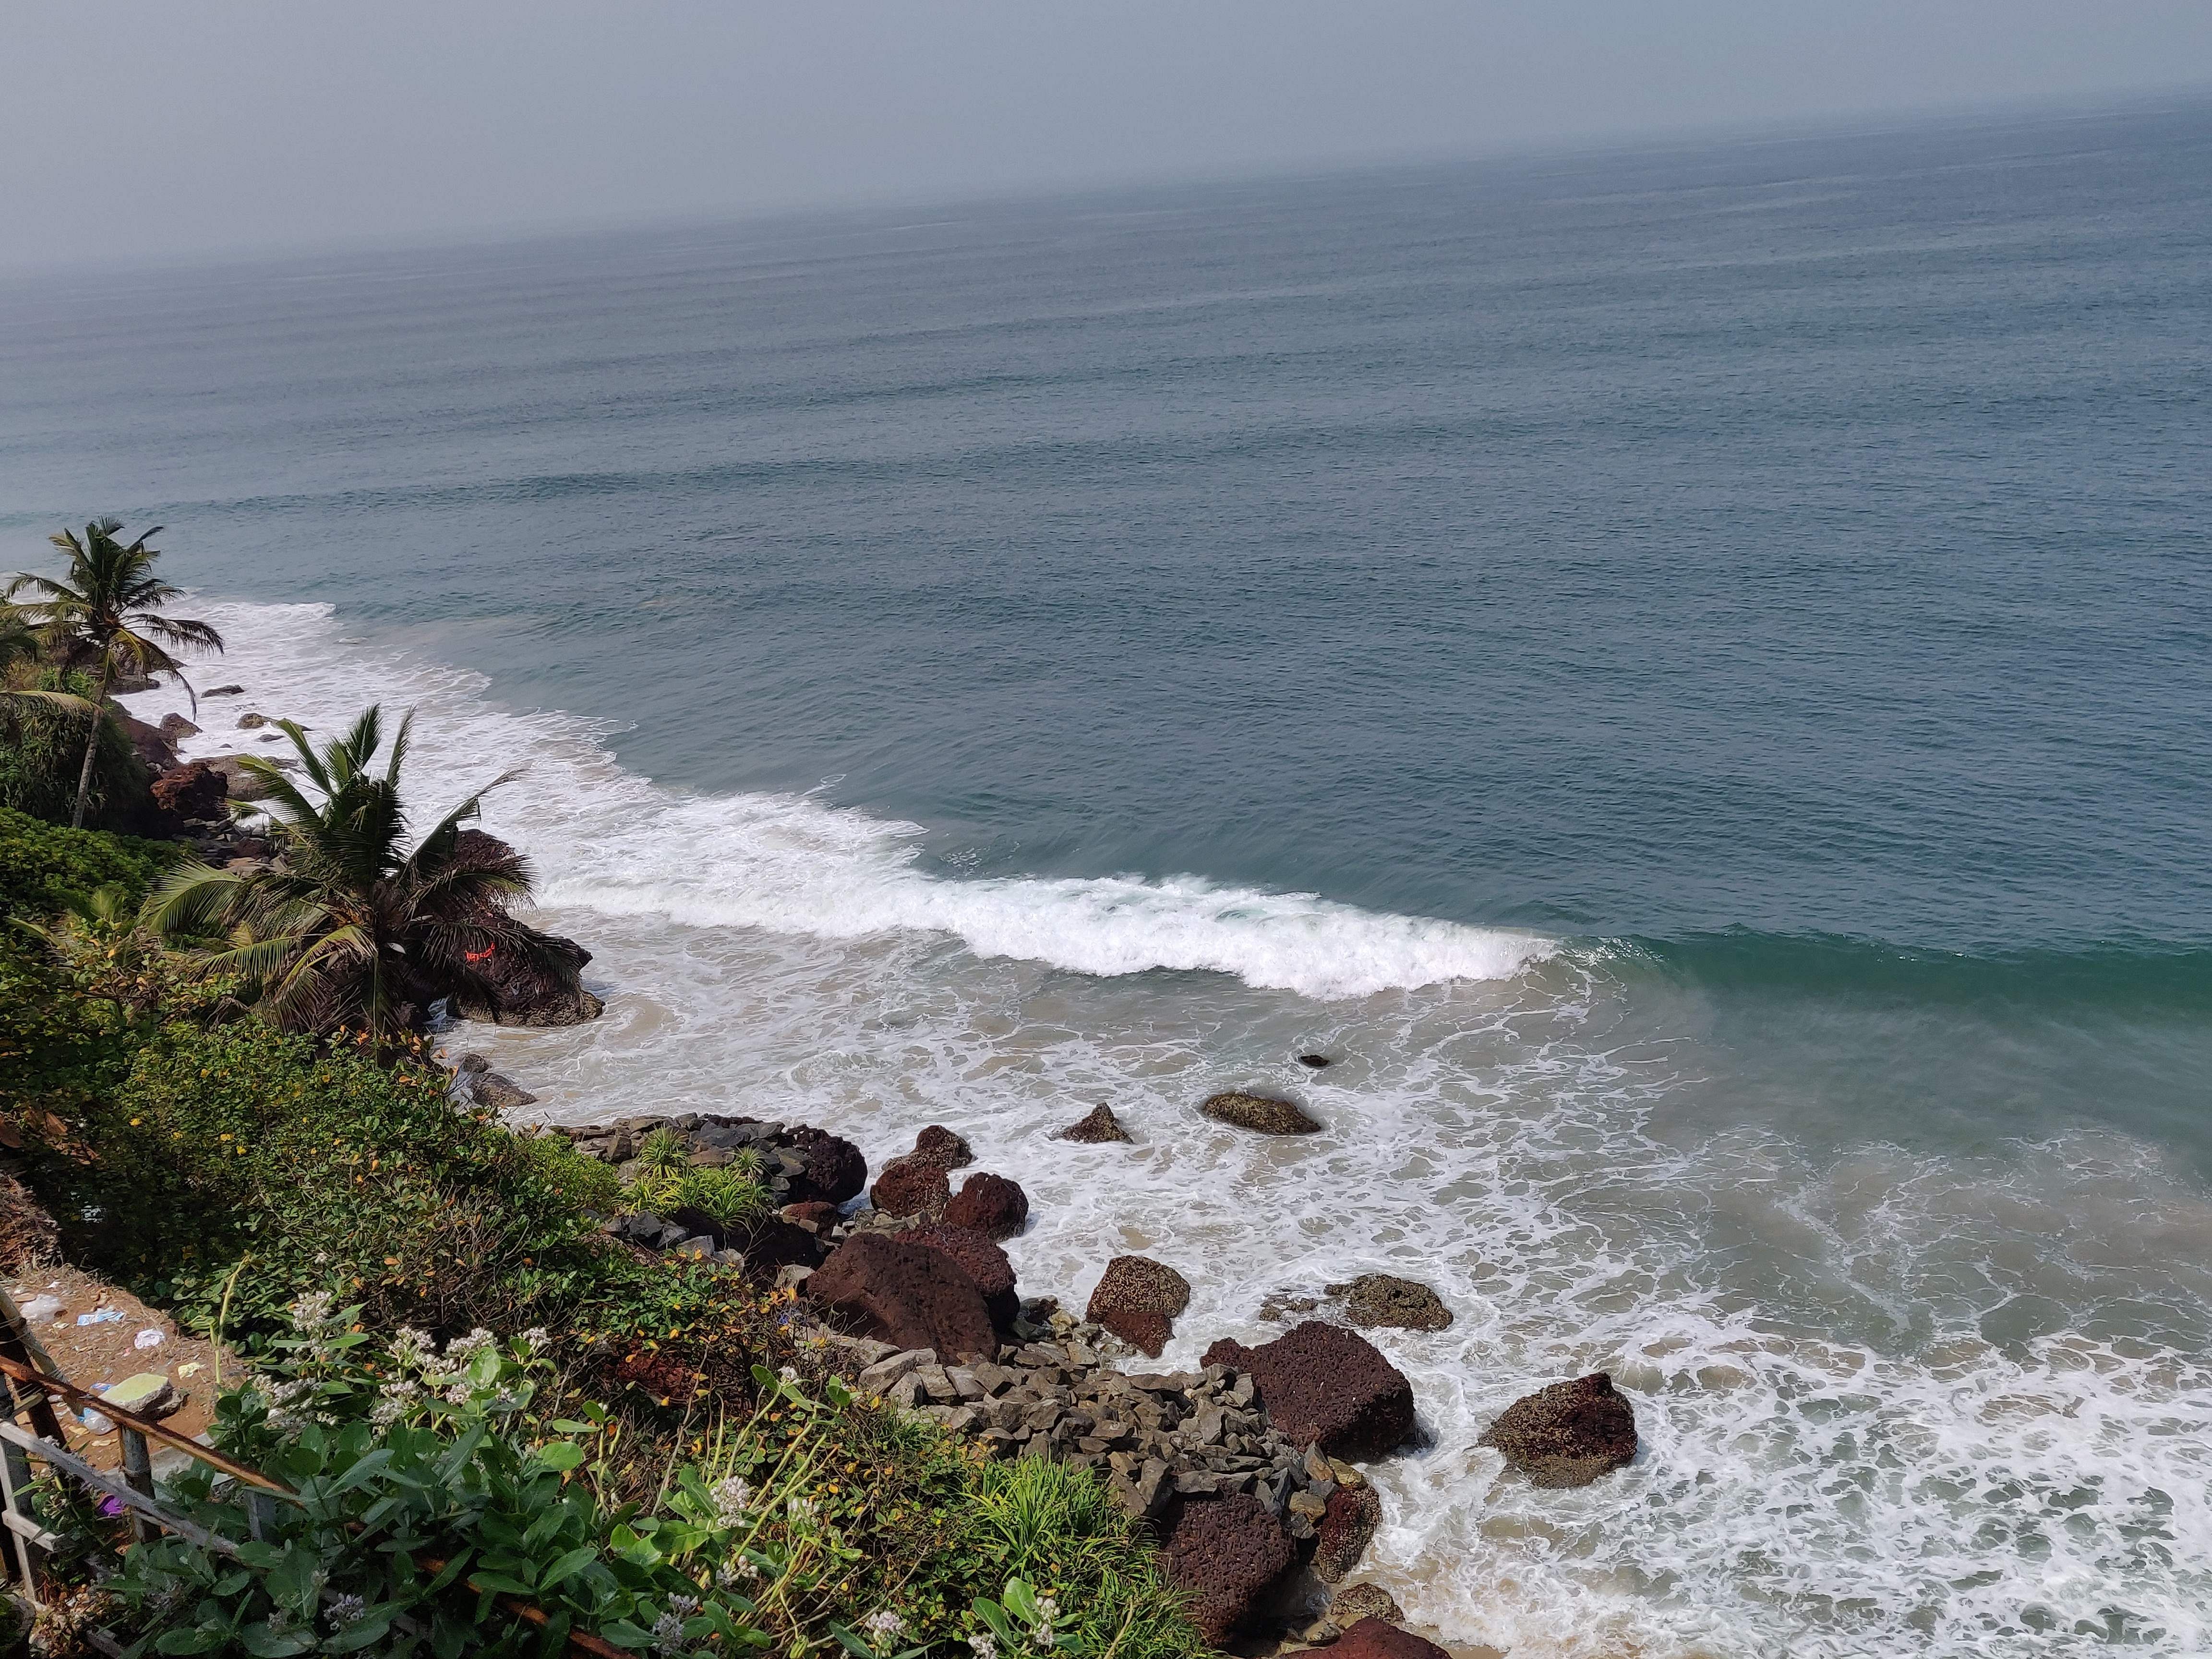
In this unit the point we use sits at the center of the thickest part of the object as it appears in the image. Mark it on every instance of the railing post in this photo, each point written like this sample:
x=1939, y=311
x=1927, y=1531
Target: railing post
x=16, y=1499
x=260, y=1513
x=138, y=1476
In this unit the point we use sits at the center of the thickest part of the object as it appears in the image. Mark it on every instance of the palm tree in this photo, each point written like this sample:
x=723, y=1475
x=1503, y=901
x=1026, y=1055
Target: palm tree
x=20, y=643
x=104, y=616
x=349, y=929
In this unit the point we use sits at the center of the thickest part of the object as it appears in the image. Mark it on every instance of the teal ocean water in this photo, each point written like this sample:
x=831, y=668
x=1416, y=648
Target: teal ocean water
x=1685, y=669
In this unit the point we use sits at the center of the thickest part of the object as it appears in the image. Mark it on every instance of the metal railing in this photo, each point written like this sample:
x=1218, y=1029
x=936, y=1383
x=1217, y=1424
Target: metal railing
x=26, y=1389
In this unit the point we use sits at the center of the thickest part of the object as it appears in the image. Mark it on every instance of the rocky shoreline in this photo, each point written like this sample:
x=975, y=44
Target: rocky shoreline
x=1246, y=1469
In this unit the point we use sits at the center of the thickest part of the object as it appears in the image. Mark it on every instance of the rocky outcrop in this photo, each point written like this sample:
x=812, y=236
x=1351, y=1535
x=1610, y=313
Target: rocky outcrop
x=1348, y=1519
x=1138, y=1300
x=1326, y=1386
x=813, y=1165
x=907, y=1188
x=993, y=1206
x=1380, y=1299
x=176, y=728
x=1377, y=1638
x=513, y=987
x=196, y=794
x=1227, y=1554
x=980, y=1259
x=798, y=1164
x=879, y=1287
x=767, y=1246
x=1099, y=1127
x=151, y=743
x=1569, y=1434
x=938, y=1145
x=1262, y=1113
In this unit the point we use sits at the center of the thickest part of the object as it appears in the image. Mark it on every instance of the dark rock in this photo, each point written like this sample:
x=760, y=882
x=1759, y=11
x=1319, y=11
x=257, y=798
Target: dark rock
x=831, y=1169
x=472, y=1063
x=1376, y=1639
x=1261, y=1112
x=176, y=728
x=127, y=684
x=1346, y=1524
x=500, y=1094
x=151, y=742
x=251, y=722
x=1138, y=1300
x=513, y=991
x=194, y=793
x=1226, y=1554
x=1374, y=1299
x=1099, y=1127
x=992, y=1204
x=226, y=691
x=815, y=1215
x=1323, y=1385
x=938, y=1145
x=980, y=1259
x=241, y=783
x=1569, y=1434
x=906, y=1188
x=1316, y=1061
x=876, y=1285
x=770, y=1245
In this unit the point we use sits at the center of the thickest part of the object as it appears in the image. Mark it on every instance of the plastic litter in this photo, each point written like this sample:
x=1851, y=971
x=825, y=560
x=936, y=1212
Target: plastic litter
x=98, y=1422
x=147, y=1339
x=190, y=1368
x=101, y=1317
x=40, y=1309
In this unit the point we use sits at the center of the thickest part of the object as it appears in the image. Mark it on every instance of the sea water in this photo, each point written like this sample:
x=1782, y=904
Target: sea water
x=1684, y=671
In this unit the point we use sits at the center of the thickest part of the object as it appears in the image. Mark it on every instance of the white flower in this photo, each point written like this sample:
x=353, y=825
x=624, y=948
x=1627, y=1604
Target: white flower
x=983, y=1646
x=537, y=1339
x=668, y=1631
x=347, y=1610
x=311, y=1312
x=685, y=1605
x=789, y=1374
x=801, y=1510
x=462, y=1349
x=460, y=1393
x=739, y=1572
x=884, y=1625
x=733, y=1497
x=411, y=1347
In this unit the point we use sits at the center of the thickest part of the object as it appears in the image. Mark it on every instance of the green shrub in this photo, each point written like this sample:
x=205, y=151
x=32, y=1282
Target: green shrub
x=41, y=861
x=41, y=750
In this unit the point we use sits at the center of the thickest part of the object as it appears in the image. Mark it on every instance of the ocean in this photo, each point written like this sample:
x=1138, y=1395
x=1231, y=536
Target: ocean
x=1683, y=670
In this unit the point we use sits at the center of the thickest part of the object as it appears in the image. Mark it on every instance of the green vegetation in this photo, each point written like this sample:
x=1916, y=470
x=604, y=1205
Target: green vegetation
x=353, y=930
x=676, y=1440
x=104, y=618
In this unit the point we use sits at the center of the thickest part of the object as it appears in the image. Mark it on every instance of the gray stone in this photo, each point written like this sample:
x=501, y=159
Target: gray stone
x=1261, y=1113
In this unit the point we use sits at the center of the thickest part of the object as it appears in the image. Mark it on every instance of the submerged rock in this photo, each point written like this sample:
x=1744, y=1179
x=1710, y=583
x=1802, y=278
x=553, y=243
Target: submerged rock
x=1323, y=1385
x=878, y=1285
x=1315, y=1062
x=1374, y=1299
x=1226, y=1554
x=1569, y=1434
x=1098, y=1128
x=938, y=1145
x=1263, y=1113
x=992, y=1204
x=1138, y=1300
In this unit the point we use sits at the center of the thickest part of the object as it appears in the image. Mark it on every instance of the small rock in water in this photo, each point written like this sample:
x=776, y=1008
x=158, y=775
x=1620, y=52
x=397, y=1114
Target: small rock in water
x=908, y=1187
x=1356, y=1602
x=1096, y=1129
x=993, y=1206
x=1569, y=1434
x=1316, y=1062
x=1138, y=1300
x=248, y=722
x=225, y=691
x=938, y=1145
x=174, y=727
x=472, y=1063
x=1382, y=1299
x=499, y=1094
x=1264, y=1113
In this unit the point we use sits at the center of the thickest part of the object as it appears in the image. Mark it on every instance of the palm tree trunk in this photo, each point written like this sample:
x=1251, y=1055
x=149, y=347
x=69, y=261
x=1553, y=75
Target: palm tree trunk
x=92, y=741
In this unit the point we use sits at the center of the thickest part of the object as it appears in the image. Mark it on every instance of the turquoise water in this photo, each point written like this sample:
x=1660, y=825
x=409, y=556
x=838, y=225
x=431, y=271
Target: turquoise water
x=1685, y=669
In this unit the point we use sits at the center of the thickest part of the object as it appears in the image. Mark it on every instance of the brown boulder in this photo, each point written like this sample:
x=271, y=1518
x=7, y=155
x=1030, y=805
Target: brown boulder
x=992, y=1204
x=815, y=1215
x=768, y=1245
x=1138, y=1300
x=938, y=1144
x=980, y=1259
x=195, y=793
x=152, y=744
x=512, y=990
x=1261, y=1112
x=1226, y=1554
x=1345, y=1528
x=834, y=1169
x=1323, y=1385
x=1375, y=1299
x=1100, y=1127
x=1373, y=1639
x=906, y=1188
x=1566, y=1435
x=877, y=1285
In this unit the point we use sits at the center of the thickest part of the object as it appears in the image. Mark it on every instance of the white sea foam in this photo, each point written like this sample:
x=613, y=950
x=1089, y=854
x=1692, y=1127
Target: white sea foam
x=1837, y=1462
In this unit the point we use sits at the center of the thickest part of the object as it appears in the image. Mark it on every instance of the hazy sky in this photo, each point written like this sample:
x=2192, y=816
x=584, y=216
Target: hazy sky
x=130, y=128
